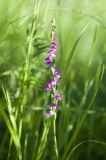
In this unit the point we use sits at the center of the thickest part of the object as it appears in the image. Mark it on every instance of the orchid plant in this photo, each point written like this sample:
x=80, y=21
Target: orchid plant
x=51, y=85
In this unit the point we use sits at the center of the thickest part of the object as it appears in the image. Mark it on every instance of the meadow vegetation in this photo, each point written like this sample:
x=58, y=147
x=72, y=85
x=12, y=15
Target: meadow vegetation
x=25, y=35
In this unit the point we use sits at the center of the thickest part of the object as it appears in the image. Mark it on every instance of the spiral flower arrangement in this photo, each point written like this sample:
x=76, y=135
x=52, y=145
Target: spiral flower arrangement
x=51, y=85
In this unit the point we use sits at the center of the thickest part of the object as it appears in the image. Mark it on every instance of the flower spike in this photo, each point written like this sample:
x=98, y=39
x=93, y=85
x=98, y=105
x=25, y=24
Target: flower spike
x=51, y=86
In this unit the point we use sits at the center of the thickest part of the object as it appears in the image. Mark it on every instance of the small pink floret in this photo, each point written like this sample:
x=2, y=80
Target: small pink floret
x=49, y=113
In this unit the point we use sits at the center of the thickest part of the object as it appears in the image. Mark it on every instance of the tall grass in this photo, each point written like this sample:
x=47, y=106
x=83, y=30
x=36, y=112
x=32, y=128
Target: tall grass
x=25, y=28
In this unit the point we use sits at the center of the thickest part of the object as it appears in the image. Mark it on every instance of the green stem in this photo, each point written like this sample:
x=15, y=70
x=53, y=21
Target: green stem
x=35, y=145
x=26, y=71
x=43, y=140
x=99, y=76
x=55, y=139
x=9, y=150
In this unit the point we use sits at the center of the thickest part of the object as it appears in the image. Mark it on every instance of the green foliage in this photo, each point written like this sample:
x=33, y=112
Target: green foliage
x=25, y=30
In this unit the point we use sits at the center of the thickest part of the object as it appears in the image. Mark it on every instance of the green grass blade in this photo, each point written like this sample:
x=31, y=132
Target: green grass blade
x=10, y=109
x=67, y=67
x=13, y=135
x=99, y=76
x=87, y=141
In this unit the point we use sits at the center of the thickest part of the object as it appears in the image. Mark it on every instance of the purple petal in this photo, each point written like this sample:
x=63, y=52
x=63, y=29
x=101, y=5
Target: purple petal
x=54, y=106
x=54, y=38
x=52, y=50
x=57, y=72
x=53, y=55
x=50, y=84
x=54, y=43
x=53, y=81
x=58, y=97
x=49, y=113
x=48, y=60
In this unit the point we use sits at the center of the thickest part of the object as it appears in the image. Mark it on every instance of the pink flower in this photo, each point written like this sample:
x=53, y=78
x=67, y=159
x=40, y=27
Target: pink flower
x=57, y=95
x=57, y=72
x=51, y=83
x=54, y=106
x=49, y=113
x=48, y=60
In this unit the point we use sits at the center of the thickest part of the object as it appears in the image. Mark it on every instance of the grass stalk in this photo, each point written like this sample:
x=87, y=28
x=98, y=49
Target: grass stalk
x=43, y=140
x=99, y=76
x=55, y=139
x=27, y=66
x=9, y=150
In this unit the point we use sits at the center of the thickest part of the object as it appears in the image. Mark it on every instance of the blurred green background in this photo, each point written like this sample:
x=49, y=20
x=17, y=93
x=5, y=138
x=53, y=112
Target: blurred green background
x=81, y=56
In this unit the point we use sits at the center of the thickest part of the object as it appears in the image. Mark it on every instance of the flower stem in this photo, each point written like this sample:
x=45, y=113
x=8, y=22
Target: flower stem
x=43, y=140
x=55, y=139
